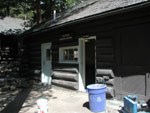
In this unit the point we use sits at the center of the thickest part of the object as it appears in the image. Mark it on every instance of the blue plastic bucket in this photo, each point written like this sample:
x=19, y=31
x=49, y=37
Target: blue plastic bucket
x=97, y=97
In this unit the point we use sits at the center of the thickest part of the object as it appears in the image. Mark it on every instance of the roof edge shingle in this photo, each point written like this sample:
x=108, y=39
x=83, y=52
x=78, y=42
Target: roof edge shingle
x=67, y=18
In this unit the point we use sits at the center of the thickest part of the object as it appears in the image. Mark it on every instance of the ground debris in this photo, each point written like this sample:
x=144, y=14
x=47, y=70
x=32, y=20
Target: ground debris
x=6, y=97
x=9, y=90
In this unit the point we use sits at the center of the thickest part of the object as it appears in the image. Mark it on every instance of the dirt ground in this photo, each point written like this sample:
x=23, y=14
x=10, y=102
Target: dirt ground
x=59, y=101
x=63, y=101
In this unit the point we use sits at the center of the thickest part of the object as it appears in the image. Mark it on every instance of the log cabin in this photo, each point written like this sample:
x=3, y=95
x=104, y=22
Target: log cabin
x=95, y=42
x=9, y=59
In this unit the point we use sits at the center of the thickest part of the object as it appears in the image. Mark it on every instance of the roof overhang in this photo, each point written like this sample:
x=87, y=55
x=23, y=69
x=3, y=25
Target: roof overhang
x=91, y=17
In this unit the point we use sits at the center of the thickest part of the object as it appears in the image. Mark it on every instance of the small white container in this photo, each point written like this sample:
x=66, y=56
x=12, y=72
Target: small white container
x=42, y=105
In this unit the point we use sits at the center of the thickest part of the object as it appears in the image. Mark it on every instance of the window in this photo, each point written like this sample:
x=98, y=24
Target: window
x=47, y=54
x=68, y=54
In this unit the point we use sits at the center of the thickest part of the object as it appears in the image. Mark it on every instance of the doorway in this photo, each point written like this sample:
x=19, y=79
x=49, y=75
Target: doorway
x=46, y=63
x=90, y=61
x=87, y=62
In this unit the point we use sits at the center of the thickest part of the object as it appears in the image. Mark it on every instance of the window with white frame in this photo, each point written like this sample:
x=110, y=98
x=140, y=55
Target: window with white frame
x=68, y=54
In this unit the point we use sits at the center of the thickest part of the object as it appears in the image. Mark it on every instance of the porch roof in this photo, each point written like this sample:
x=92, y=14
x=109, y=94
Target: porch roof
x=85, y=10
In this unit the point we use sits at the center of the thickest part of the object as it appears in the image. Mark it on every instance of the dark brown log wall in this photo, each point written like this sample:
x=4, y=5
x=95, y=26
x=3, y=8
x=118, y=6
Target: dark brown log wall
x=9, y=65
x=56, y=44
x=64, y=75
x=122, y=45
x=32, y=54
x=135, y=62
x=105, y=51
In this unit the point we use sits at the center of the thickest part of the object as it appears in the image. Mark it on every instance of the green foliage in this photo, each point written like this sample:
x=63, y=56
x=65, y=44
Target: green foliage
x=70, y=3
x=62, y=5
x=15, y=8
x=27, y=9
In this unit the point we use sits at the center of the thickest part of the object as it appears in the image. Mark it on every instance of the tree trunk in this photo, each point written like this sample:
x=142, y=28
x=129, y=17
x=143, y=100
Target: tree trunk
x=38, y=12
x=48, y=6
x=8, y=10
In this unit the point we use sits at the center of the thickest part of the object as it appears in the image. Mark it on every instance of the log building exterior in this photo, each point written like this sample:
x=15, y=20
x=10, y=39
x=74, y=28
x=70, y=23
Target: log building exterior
x=111, y=46
x=9, y=56
x=9, y=64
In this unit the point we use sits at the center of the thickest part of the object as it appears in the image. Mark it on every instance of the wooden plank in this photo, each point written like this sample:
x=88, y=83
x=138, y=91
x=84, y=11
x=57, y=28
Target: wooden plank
x=71, y=70
x=35, y=62
x=68, y=44
x=35, y=44
x=35, y=71
x=35, y=66
x=65, y=76
x=105, y=72
x=110, y=93
x=104, y=43
x=66, y=84
x=32, y=52
x=110, y=82
x=57, y=65
x=38, y=58
x=104, y=65
x=35, y=53
x=107, y=58
x=105, y=50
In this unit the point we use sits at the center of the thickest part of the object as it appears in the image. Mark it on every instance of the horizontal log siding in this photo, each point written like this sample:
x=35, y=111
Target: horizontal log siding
x=55, y=52
x=34, y=54
x=105, y=52
x=108, y=46
x=106, y=76
x=66, y=77
x=35, y=57
x=24, y=59
x=64, y=74
x=9, y=64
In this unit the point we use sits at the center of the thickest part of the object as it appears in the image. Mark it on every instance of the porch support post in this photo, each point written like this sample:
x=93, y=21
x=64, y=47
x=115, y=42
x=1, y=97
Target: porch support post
x=81, y=76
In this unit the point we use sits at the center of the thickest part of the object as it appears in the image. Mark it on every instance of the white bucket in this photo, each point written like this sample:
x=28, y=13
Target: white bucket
x=42, y=105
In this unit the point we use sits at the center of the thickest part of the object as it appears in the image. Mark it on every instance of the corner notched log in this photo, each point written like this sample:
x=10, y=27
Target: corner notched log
x=110, y=82
x=70, y=70
x=106, y=76
x=65, y=76
x=110, y=93
x=66, y=84
x=105, y=72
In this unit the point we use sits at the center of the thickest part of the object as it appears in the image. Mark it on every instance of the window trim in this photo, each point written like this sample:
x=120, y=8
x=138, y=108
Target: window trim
x=61, y=55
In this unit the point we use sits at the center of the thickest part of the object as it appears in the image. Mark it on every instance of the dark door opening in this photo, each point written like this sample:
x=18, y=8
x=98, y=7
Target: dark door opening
x=90, y=62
